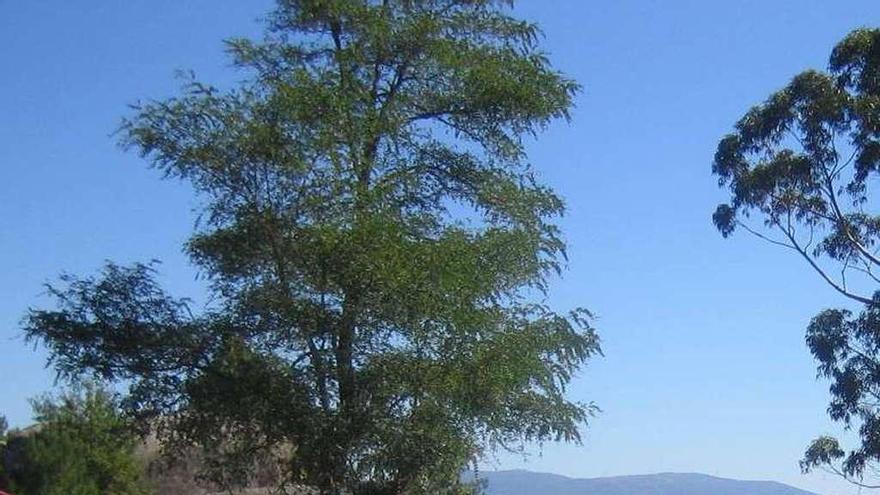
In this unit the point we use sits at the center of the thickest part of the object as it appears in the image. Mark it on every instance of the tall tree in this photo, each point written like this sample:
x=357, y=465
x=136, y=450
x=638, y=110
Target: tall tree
x=805, y=162
x=377, y=246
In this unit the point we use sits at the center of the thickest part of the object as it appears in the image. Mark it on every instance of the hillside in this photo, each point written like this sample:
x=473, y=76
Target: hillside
x=529, y=483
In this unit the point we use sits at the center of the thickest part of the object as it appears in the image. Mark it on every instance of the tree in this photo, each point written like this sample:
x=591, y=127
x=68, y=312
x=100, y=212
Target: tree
x=805, y=162
x=4, y=425
x=377, y=246
x=81, y=445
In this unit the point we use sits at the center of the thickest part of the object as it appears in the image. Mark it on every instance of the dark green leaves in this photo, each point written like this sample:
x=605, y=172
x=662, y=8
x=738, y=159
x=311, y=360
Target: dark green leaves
x=124, y=314
x=846, y=348
x=805, y=162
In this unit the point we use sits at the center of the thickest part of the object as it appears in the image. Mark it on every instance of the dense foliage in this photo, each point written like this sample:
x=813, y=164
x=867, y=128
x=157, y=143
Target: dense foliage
x=80, y=445
x=804, y=162
x=377, y=248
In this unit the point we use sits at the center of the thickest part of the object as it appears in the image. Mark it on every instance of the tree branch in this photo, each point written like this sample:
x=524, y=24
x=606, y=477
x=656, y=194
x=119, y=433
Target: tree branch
x=833, y=283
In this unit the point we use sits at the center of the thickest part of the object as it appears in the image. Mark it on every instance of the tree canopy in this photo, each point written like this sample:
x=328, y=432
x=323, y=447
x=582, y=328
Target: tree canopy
x=805, y=163
x=377, y=248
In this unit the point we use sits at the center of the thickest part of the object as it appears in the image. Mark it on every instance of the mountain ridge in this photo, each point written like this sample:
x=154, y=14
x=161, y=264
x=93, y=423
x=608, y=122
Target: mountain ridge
x=524, y=482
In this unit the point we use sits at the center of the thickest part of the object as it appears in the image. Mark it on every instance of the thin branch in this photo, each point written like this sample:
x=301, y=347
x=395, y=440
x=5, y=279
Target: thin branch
x=849, y=479
x=794, y=244
x=762, y=236
x=842, y=222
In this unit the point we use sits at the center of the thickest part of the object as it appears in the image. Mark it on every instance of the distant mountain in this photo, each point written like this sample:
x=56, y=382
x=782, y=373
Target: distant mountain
x=529, y=483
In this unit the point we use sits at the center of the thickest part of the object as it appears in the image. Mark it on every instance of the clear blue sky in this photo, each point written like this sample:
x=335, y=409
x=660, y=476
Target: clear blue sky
x=705, y=366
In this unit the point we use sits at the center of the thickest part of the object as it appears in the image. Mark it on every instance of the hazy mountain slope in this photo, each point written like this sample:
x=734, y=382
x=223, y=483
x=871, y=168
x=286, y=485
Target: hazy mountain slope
x=528, y=483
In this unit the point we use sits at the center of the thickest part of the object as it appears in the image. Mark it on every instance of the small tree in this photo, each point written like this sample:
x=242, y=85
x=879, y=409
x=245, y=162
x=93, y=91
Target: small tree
x=377, y=246
x=80, y=445
x=805, y=163
x=4, y=479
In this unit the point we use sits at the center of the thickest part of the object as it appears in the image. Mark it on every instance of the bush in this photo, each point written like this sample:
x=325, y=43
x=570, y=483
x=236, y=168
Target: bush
x=80, y=445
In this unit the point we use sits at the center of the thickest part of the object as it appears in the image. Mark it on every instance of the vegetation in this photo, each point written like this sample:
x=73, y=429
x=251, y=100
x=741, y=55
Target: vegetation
x=804, y=162
x=4, y=426
x=377, y=248
x=81, y=445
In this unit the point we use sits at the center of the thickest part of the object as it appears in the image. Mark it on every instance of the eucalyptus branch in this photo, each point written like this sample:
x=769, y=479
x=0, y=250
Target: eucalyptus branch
x=806, y=256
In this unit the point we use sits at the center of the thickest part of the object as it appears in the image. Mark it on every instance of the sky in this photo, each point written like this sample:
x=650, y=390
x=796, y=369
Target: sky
x=705, y=366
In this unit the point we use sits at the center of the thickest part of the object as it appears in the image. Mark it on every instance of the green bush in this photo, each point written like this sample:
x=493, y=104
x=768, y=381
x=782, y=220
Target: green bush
x=80, y=445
